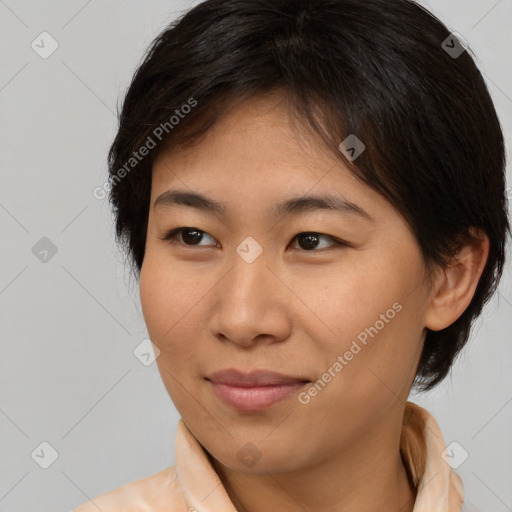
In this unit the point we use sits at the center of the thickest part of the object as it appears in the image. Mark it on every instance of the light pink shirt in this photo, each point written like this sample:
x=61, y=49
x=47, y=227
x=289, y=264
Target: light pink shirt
x=192, y=484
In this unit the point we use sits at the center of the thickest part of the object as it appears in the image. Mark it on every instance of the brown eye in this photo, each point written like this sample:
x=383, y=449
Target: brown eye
x=189, y=236
x=308, y=241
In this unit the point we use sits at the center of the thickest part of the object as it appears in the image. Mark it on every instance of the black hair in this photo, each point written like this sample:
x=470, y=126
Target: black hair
x=386, y=71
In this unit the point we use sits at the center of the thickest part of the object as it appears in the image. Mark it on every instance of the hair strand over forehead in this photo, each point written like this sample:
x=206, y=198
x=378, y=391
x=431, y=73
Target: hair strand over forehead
x=375, y=69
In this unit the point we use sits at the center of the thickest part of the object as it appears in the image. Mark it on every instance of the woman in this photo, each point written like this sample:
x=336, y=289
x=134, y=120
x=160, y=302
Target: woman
x=312, y=196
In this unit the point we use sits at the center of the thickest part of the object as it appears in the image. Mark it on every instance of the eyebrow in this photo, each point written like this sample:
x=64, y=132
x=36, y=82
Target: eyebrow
x=294, y=205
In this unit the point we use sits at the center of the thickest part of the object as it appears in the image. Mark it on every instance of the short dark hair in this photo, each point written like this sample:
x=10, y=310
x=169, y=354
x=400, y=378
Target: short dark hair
x=379, y=69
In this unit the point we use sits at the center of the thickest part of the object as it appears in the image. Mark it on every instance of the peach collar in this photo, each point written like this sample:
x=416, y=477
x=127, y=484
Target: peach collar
x=439, y=488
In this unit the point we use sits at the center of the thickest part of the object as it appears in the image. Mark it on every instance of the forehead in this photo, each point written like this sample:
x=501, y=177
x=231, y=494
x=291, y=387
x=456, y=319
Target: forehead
x=255, y=154
x=255, y=135
x=254, y=127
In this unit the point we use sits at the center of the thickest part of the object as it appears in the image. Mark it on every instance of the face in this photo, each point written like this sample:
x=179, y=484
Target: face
x=336, y=297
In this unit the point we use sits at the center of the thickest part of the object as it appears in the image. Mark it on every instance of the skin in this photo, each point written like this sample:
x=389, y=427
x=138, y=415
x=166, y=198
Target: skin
x=293, y=310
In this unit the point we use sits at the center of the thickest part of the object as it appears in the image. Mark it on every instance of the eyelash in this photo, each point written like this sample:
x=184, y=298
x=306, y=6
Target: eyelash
x=170, y=237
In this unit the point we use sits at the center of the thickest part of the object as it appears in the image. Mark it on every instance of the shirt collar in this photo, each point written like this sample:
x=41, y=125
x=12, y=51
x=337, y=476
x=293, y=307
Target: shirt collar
x=439, y=488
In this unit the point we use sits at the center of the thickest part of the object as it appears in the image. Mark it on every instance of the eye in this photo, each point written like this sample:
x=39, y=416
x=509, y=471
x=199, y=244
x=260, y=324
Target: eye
x=190, y=237
x=310, y=240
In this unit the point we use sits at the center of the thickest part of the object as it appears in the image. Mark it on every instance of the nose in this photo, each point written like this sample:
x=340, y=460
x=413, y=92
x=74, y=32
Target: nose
x=251, y=305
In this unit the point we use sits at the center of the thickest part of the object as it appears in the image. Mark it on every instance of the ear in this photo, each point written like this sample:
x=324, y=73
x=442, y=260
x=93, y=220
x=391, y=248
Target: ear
x=455, y=286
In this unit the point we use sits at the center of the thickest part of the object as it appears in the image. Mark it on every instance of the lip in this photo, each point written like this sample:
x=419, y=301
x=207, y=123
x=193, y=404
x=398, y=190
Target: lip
x=256, y=390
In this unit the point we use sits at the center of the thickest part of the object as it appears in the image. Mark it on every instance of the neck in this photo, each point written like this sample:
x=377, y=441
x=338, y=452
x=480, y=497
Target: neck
x=367, y=476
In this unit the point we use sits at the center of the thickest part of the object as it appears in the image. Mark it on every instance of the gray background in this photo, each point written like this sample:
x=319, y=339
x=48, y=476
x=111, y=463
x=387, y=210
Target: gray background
x=68, y=374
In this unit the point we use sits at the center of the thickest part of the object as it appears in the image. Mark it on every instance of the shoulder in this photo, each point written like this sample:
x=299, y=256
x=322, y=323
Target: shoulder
x=152, y=493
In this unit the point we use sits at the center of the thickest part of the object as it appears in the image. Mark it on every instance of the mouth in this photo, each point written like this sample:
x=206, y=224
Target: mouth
x=254, y=391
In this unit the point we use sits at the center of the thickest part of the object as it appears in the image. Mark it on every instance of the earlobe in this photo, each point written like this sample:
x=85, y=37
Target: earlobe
x=455, y=285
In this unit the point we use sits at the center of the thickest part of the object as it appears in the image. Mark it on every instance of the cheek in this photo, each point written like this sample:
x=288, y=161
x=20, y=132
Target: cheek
x=173, y=304
x=341, y=303
x=371, y=316
x=160, y=291
x=156, y=297
x=170, y=307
